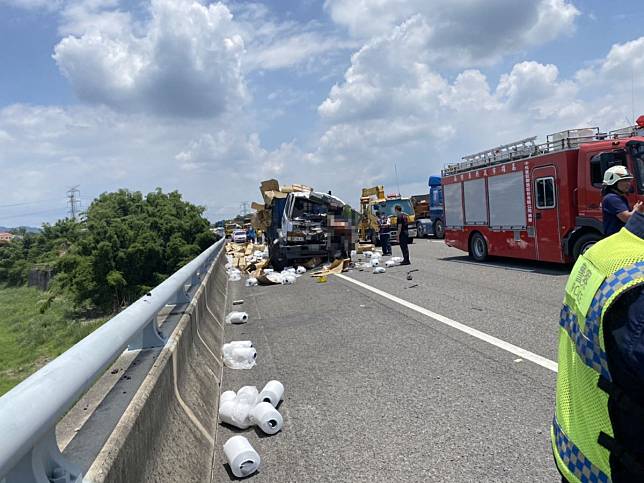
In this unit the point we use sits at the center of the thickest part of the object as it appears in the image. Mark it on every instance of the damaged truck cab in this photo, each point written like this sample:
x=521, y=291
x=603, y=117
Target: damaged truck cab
x=305, y=225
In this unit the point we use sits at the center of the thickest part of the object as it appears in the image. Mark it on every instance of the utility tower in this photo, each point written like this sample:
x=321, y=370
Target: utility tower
x=73, y=200
x=244, y=208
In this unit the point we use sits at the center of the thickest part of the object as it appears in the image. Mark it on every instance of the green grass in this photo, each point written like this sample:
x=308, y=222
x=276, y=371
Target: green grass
x=29, y=339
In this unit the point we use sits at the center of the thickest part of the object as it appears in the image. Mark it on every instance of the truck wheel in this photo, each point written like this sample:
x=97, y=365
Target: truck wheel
x=420, y=233
x=478, y=247
x=584, y=243
x=278, y=261
x=439, y=229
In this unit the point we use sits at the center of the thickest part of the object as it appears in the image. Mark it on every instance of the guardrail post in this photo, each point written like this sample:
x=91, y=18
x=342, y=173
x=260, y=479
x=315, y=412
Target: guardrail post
x=147, y=338
x=44, y=464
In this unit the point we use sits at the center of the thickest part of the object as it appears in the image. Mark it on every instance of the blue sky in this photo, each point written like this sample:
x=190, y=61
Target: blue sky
x=210, y=98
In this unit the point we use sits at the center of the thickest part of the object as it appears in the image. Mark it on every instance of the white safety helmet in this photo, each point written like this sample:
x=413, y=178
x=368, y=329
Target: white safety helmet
x=615, y=174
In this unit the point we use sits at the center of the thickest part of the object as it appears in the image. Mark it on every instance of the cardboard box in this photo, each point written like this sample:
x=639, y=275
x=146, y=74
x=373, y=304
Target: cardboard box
x=269, y=185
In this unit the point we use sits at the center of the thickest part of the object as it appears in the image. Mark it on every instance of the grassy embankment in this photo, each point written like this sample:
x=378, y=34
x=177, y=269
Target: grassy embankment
x=29, y=339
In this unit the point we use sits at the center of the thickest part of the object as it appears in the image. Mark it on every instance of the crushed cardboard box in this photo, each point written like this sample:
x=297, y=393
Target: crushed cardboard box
x=365, y=247
x=338, y=266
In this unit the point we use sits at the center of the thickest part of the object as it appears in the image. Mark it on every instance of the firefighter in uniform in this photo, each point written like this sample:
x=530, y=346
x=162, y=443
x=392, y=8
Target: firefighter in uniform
x=597, y=432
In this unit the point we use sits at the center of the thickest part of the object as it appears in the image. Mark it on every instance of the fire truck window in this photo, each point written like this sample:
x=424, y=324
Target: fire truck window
x=545, y=193
x=601, y=162
x=596, y=175
x=637, y=151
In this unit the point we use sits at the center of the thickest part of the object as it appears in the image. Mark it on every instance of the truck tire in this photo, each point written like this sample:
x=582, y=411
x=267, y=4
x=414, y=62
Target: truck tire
x=277, y=260
x=478, y=247
x=583, y=243
x=420, y=232
x=439, y=229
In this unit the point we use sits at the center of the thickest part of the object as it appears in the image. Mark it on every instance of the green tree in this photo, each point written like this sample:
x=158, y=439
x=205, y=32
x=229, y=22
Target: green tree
x=127, y=244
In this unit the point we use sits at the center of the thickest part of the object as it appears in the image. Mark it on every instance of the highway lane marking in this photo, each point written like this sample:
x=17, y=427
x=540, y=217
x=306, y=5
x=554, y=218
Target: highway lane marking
x=501, y=344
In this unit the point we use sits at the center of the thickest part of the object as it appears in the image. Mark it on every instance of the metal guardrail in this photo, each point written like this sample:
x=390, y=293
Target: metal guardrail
x=30, y=411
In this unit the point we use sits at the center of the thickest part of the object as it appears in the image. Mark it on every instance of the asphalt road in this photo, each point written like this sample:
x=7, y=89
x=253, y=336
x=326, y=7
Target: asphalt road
x=376, y=391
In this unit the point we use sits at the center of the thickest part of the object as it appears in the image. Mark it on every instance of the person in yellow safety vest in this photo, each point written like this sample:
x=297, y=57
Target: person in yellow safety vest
x=597, y=432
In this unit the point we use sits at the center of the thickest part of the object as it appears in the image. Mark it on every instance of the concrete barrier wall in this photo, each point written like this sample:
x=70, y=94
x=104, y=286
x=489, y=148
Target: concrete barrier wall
x=167, y=433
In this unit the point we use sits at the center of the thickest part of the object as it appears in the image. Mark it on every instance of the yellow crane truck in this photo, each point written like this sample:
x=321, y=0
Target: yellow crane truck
x=374, y=200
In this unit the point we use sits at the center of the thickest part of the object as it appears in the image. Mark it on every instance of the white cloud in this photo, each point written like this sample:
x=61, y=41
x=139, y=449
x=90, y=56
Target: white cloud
x=623, y=64
x=394, y=106
x=46, y=5
x=274, y=43
x=291, y=50
x=536, y=89
x=461, y=33
x=184, y=61
x=44, y=150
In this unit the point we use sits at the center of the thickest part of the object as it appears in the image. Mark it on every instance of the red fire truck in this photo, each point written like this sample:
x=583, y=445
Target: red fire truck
x=538, y=201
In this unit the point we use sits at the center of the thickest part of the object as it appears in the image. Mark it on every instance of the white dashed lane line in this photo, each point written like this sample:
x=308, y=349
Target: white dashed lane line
x=501, y=344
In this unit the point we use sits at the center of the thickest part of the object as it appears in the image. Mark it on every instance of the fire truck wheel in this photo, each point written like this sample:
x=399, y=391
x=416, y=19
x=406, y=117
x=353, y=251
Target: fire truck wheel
x=439, y=230
x=584, y=243
x=478, y=247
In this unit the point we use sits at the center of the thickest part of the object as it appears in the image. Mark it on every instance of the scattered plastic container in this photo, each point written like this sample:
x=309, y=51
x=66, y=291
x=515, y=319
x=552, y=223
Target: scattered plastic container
x=241, y=456
x=273, y=393
x=267, y=418
x=237, y=318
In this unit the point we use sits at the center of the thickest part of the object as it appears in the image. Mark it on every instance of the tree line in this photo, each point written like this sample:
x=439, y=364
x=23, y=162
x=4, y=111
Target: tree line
x=127, y=244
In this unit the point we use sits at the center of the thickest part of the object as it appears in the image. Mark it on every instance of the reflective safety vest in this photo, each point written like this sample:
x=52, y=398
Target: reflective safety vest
x=582, y=435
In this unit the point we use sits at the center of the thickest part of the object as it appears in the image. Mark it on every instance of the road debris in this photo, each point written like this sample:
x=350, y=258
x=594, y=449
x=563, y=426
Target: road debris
x=267, y=418
x=338, y=266
x=241, y=456
x=237, y=318
x=247, y=408
x=239, y=354
x=409, y=277
x=273, y=392
x=251, y=282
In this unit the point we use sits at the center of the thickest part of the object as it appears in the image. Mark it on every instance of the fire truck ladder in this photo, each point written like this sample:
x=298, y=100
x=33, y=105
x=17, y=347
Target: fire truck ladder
x=525, y=148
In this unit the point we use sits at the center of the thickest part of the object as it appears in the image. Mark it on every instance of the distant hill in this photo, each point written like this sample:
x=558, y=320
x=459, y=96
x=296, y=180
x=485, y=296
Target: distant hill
x=29, y=229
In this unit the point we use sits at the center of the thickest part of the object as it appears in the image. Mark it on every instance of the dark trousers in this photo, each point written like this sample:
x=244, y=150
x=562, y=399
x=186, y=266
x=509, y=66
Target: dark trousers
x=384, y=243
x=404, y=242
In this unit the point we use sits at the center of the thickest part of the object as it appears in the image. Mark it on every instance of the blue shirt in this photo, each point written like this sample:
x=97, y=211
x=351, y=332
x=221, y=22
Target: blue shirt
x=612, y=204
x=624, y=339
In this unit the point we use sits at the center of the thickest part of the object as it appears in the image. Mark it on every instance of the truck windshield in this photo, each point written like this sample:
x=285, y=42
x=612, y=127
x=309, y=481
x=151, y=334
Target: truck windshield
x=389, y=207
x=637, y=150
x=304, y=208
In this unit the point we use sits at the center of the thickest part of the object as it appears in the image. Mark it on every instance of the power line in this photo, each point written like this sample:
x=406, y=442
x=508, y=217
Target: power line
x=23, y=203
x=43, y=212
